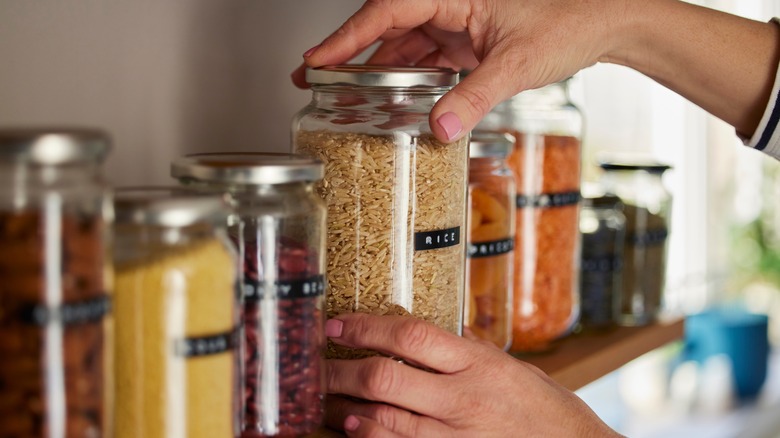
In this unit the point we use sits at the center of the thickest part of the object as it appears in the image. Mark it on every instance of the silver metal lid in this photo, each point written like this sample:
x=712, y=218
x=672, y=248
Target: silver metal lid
x=254, y=168
x=490, y=144
x=168, y=206
x=382, y=76
x=53, y=146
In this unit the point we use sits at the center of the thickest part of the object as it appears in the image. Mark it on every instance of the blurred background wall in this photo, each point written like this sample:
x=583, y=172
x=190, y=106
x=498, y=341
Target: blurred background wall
x=163, y=78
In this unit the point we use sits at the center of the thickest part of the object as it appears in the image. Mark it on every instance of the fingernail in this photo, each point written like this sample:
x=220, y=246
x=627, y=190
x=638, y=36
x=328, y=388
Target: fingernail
x=333, y=328
x=308, y=53
x=450, y=123
x=351, y=423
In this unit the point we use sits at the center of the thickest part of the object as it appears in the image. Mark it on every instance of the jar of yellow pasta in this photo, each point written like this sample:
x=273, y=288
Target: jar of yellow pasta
x=176, y=316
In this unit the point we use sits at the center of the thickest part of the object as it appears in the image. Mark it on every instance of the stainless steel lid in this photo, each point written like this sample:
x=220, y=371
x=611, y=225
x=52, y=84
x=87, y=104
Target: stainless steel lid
x=53, y=146
x=490, y=144
x=168, y=206
x=247, y=168
x=382, y=76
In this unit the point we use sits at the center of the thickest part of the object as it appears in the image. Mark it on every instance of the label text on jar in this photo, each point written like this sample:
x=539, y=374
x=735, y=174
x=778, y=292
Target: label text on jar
x=304, y=288
x=426, y=240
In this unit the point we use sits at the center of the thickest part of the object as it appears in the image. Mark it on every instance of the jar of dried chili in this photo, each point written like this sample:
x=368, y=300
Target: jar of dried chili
x=279, y=229
x=546, y=164
x=491, y=240
x=55, y=337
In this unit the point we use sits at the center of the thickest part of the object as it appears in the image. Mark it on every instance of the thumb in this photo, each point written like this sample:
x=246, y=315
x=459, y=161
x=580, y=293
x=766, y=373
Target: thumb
x=459, y=110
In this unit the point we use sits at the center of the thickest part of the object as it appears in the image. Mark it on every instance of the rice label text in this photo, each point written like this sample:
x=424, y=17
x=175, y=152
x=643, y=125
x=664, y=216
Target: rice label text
x=426, y=240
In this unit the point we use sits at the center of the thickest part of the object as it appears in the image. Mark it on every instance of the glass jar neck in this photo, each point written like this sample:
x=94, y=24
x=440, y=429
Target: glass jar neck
x=136, y=242
x=23, y=184
x=486, y=164
x=248, y=192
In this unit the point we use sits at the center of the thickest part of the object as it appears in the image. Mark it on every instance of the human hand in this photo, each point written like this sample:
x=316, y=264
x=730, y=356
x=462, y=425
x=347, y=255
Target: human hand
x=510, y=45
x=473, y=388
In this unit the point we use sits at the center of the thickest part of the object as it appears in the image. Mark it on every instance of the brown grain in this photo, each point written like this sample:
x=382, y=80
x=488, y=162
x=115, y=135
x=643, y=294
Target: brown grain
x=378, y=193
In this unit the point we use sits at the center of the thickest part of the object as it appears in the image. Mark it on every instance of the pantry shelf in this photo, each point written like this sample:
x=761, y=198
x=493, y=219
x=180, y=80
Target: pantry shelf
x=582, y=358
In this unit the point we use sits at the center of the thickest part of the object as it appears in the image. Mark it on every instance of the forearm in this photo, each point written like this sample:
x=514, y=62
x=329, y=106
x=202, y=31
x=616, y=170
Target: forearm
x=721, y=62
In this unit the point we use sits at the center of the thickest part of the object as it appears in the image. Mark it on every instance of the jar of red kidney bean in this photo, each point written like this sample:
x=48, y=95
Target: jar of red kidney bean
x=279, y=229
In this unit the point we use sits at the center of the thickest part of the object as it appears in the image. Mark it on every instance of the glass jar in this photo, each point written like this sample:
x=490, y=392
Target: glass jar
x=176, y=316
x=55, y=293
x=546, y=164
x=491, y=240
x=603, y=228
x=647, y=208
x=280, y=232
x=396, y=196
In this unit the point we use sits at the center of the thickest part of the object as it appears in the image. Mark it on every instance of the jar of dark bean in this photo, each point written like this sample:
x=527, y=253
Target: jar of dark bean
x=279, y=229
x=603, y=228
x=55, y=304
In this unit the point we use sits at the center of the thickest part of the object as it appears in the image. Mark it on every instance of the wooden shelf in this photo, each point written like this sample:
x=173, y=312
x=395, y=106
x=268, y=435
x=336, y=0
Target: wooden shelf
x=582, y=358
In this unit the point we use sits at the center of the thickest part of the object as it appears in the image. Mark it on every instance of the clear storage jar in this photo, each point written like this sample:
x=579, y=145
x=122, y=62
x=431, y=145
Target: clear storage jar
x=176, y=316
x=55, y=293
x=603, y=228
x=396, y=196
x=647, y=208
x=491, y=240
x=546, y=163
x=280, y=233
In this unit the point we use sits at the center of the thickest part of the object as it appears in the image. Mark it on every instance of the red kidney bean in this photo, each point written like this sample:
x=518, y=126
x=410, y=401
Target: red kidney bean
x=299, y=344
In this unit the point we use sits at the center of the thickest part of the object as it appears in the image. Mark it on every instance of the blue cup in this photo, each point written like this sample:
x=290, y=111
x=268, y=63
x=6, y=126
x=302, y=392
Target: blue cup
x=740, y=335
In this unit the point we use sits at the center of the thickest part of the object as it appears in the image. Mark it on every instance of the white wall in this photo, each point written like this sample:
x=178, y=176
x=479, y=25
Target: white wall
x=164, y=78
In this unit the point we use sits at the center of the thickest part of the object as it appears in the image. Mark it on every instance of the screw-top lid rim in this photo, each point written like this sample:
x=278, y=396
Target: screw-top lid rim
x=251, y=168
x=382, y=76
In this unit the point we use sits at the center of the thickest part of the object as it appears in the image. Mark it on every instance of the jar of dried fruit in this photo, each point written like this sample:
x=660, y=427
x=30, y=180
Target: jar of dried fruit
x=647, y=208
x=396, y=196
x=491, y=240
x=280, y=232
x=176, y=312
x=546, y=163
x=55, y=342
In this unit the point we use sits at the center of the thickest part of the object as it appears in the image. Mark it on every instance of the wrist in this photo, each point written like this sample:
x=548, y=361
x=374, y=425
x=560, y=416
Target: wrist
x=629, y=31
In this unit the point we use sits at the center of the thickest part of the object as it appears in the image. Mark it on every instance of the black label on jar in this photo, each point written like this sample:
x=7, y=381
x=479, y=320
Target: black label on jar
x=425, y=240
x=205, y=345
x=603, y=264
x=651, y=237
x=547, y=200
x=74, y=312
x=304, y=288
x=489, y=249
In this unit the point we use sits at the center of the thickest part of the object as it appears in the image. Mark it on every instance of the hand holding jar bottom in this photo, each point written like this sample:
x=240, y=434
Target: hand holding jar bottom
x=472, y=388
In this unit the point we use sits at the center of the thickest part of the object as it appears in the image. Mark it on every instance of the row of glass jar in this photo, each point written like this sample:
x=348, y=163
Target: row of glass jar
x=396, y=235
x=208, y=322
